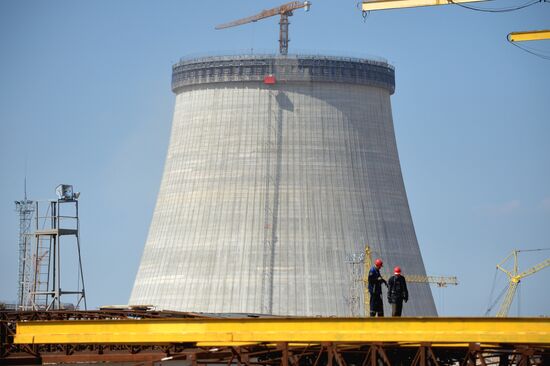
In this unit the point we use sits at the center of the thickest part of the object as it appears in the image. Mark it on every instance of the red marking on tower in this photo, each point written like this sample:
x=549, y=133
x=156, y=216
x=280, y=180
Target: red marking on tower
x=270, y=79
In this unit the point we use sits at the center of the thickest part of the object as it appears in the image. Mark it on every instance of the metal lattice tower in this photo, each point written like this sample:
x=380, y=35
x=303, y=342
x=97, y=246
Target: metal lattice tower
x=356, y=261
x=25, y=210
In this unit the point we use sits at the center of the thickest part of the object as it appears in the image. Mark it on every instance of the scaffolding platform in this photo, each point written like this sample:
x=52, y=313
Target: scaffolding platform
x=202, y=339
x=56, y=232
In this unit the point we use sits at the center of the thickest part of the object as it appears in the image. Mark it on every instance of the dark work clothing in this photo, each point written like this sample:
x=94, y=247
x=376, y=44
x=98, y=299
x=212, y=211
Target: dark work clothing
x=375, y=290
x=397, y=308
x=397, y=293
x=376, y=305
x=375, y=281
x=397, y=289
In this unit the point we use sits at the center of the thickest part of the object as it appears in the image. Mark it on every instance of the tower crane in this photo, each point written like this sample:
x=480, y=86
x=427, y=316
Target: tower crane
x=440, y=281
x=284, y=11
x=514, y=278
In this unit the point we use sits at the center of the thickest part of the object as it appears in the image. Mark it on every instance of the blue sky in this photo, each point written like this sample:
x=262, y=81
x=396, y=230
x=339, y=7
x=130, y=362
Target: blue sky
x=85, y=99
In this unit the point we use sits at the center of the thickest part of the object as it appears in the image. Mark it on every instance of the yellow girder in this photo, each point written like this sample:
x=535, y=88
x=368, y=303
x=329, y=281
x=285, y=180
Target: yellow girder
x=221, y=331
x=529, y=35
x=396, y=4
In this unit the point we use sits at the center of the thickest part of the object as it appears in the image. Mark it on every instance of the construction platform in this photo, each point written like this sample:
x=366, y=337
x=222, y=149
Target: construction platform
x=141, y=336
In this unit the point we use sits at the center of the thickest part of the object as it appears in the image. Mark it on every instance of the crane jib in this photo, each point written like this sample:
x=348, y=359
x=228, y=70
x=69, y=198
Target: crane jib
x=284, y=11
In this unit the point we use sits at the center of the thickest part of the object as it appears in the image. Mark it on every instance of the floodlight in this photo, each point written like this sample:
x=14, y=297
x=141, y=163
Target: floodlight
x=64, y=192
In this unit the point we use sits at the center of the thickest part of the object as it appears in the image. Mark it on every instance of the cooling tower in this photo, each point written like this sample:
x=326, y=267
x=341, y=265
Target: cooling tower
x=279, y=170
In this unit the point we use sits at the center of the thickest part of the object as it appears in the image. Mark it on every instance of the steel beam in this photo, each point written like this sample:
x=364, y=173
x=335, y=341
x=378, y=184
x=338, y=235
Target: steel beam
x=529, y=36
x=89, y=357
x=397, y=4
x=277, y=330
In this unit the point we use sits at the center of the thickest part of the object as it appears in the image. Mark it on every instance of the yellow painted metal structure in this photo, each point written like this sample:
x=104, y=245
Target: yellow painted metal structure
x=397, y=4
x=223, y=331
x=514, y=278
x=537, y=35
x=440, y=281
x=367, y=261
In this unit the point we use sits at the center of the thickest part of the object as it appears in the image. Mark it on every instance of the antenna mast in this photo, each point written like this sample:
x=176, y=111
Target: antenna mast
x=25, y=210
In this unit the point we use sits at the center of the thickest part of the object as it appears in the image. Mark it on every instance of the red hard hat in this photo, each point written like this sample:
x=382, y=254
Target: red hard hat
x=397, y=270
x=378, y=262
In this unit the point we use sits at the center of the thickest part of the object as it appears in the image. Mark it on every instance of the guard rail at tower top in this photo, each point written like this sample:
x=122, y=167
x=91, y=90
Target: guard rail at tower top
x=298, y=68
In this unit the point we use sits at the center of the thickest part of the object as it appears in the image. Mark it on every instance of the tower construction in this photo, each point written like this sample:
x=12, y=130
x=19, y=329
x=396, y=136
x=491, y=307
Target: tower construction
x=278, y=168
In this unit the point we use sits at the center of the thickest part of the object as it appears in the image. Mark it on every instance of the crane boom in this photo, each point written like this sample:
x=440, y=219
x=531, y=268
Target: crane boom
x=515, y=278
x=440, y=281
x=535, y=268
x=369, y=5
x=535, y=35
x=284, y=11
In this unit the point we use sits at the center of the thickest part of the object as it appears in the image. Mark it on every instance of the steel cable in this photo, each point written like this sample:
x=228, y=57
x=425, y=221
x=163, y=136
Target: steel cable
x=501, y=10
x=497, y=300
x=489, y=306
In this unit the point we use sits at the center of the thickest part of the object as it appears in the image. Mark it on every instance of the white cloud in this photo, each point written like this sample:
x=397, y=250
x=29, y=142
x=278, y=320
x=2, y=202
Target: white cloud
x=501, y=209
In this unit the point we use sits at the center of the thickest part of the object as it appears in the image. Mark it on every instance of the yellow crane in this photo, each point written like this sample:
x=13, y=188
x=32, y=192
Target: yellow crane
x=516, y=38
x=284, y=11
x=514, y=278
x=370, y=5
x=397, y=4
x=536, y=35
x=440, y=281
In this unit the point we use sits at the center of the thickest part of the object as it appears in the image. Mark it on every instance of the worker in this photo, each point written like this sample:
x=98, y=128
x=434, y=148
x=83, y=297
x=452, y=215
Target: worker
x=397, y=292
x=375, y=289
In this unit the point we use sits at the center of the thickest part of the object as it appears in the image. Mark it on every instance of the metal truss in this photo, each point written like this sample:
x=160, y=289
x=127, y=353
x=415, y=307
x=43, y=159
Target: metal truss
x=256, y=353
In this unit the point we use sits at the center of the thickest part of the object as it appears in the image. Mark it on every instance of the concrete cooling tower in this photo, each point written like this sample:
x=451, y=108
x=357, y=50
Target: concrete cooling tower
x=279, y=169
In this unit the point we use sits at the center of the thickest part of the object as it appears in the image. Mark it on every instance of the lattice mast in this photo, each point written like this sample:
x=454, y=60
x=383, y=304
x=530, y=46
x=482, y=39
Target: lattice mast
x=25, y=210
x=356, y=261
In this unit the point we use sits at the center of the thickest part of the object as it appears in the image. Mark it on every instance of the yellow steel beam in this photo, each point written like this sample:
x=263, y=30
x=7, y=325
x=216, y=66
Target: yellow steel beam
x=396, y=4
x=295, y=330
x=351, y=344
x=529, y=36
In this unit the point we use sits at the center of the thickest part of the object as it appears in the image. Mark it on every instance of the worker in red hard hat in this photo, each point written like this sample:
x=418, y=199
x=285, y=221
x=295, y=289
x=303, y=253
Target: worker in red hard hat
x=375, y=289
x=397, y=291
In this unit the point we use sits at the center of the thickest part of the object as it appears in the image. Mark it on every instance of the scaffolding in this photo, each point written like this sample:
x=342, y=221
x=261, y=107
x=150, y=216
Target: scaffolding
x=355, y=260
x=53, y=220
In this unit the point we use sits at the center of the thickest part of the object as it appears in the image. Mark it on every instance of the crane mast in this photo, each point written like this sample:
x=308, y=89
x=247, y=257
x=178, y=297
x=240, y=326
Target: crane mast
x=284, y=11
